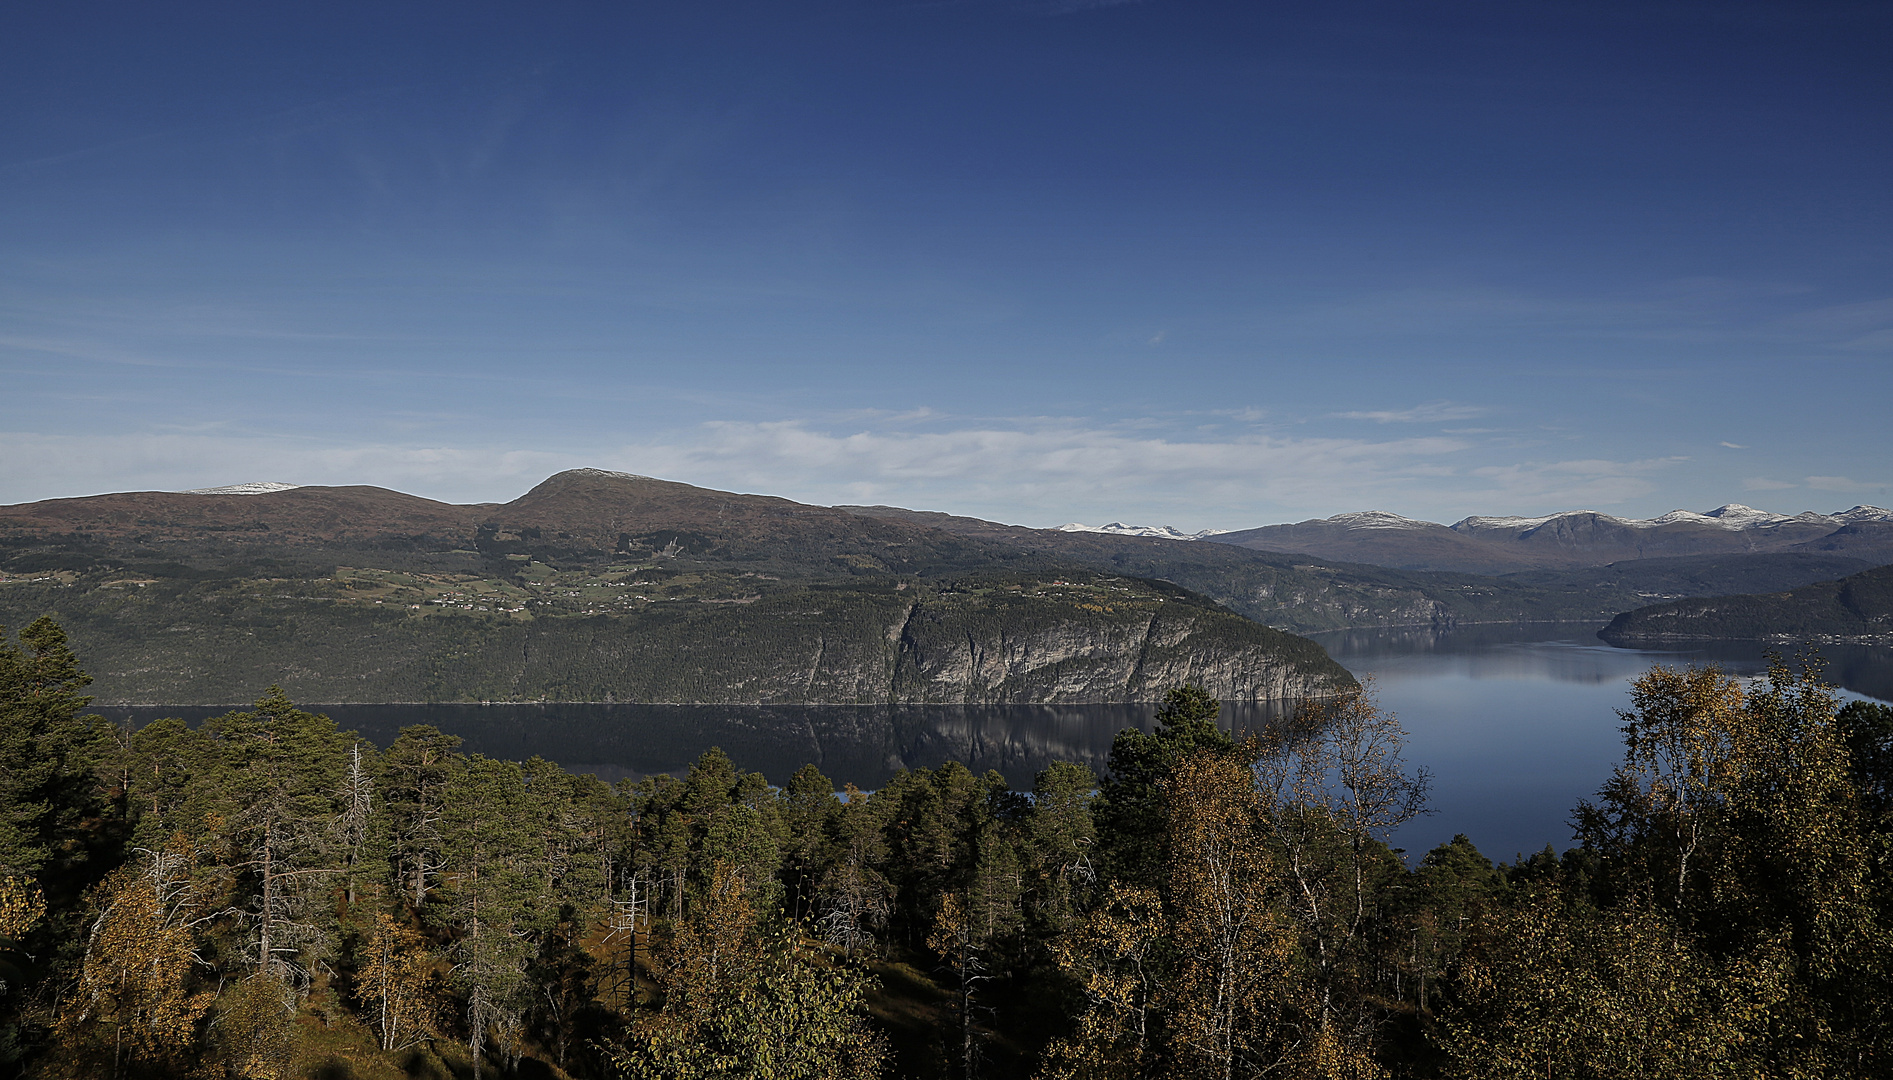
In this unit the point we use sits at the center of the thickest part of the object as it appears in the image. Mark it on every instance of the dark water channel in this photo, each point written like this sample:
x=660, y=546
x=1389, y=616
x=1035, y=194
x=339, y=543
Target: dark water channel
x=1514, y=723
x=1517, y=723
x=858, y=744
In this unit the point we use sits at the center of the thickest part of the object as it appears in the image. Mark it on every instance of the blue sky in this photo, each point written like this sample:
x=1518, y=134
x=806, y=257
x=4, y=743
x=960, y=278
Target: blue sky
x=1206, y=264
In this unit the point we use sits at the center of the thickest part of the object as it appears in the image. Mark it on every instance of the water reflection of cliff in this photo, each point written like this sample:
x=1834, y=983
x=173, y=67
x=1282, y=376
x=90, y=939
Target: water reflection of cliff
x=1571, y=653
x=859, y=744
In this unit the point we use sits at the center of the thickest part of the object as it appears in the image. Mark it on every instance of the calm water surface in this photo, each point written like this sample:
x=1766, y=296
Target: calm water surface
x=858, y=744
x=1514, y=723
x=1518, y=723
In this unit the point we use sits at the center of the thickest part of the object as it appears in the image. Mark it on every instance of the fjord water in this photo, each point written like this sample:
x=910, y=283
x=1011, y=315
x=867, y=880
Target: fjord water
x=858, y=744
x=1515, y=724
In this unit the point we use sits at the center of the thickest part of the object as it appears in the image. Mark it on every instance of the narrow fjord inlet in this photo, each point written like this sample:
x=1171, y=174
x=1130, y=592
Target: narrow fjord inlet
x=972, y=540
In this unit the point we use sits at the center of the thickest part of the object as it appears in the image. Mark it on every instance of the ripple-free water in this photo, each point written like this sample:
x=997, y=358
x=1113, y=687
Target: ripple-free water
x=1515, y=724
x=858, y=744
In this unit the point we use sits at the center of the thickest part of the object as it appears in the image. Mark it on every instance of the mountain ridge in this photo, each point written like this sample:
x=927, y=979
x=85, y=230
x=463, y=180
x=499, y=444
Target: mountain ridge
x=603, y=586
x=1571, y=539
x=725, y=548
x=1856, y=610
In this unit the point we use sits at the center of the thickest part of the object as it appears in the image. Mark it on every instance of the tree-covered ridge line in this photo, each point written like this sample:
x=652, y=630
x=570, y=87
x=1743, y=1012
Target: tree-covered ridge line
x=268, y=896
x=1856, y=609
x=608, y=545
x=353, y=636
x=1329, y=590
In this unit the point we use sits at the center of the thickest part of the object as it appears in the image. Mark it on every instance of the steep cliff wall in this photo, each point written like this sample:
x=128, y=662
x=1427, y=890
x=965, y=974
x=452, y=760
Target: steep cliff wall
x=1116, y=640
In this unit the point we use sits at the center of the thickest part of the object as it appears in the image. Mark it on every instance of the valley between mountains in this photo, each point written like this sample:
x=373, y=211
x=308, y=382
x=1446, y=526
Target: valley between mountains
x=598, y=586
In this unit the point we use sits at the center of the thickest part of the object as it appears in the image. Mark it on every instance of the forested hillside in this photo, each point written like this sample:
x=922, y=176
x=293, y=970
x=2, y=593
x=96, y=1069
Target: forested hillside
x=266, y=896
x=1308, y=594
x=1857, y=609
x=602, y=587
x=625, y=633
x=599, y=586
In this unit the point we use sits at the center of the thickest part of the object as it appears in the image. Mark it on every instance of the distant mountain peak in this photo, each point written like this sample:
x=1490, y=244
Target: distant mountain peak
x=1378, y=519
x=253, y=488
x=613, y=473
x=1732, y=516
x=1865, y=513
x=1162, y=532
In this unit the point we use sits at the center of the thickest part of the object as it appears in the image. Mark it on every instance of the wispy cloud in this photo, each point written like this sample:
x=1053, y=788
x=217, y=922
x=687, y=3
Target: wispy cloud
x=1878, y=341
x=1563, y=485
x=1845, y=483
x=1431, y=412
x=47, y=466
x=1036, y=463
x=1735, y=445
x=1037, y=471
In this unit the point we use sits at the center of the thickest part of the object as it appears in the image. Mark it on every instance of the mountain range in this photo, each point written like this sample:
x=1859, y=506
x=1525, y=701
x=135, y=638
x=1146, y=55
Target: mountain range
x=599, y=586
x=1161, y=532
x=609, y=586
x=1578, y=538
x=1570, y=539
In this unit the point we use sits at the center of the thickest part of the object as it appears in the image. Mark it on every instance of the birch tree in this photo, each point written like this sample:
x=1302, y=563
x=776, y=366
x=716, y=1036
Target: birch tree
x=138, y=1005
x=1334, y=787
x=398, y=981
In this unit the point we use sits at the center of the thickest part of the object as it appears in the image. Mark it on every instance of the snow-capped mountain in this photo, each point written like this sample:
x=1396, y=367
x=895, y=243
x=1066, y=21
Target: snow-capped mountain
x=1162, y=532
x=1377, y=519
x=1732, y=516
x=253, y=488
x=1490, y=544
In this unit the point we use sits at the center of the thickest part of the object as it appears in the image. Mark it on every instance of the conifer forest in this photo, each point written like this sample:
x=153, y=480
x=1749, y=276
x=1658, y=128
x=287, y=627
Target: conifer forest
x=264, y=895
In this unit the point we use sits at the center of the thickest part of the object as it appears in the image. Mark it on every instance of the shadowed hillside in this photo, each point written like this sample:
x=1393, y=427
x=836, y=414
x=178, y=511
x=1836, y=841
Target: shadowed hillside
x=600, y=586
x=1853, y=610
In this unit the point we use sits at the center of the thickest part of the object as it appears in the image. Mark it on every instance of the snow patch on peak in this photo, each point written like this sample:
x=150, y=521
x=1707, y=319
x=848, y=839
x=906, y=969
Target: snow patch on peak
x=1732, y=516
x=1378, y=519
x=1118, y=528
x=1744, y=516
x=1478, y=523
x=1727, y=516
x=1864, y=513
x=611, y=473
x=255, y=488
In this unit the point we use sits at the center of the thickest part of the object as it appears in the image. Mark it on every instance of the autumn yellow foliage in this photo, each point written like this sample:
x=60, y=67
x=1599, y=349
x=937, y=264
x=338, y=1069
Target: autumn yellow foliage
x=136, y=1001
x=22, y=906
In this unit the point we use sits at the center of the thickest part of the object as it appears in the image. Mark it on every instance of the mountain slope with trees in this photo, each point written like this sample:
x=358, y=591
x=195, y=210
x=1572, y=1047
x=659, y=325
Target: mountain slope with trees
x=1079, y=638
x=266, y=896
x=601, y=586
x=1575, y=539
x=1308, y=594
x=1857, y=609
x=604, y=587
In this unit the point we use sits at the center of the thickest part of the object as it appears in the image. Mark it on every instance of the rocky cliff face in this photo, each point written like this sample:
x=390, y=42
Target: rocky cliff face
x=1115, y=640
x=941, y=659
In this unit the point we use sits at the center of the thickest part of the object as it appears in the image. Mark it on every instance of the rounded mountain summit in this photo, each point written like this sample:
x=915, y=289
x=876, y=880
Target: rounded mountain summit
x=602, y=586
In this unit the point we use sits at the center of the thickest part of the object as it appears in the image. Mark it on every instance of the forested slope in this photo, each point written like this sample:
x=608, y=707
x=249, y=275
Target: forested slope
x=599, y=586
x=604, y=587
x=1857, y=609
x=1306, y=594
x=265, y=896
x=363, y=637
